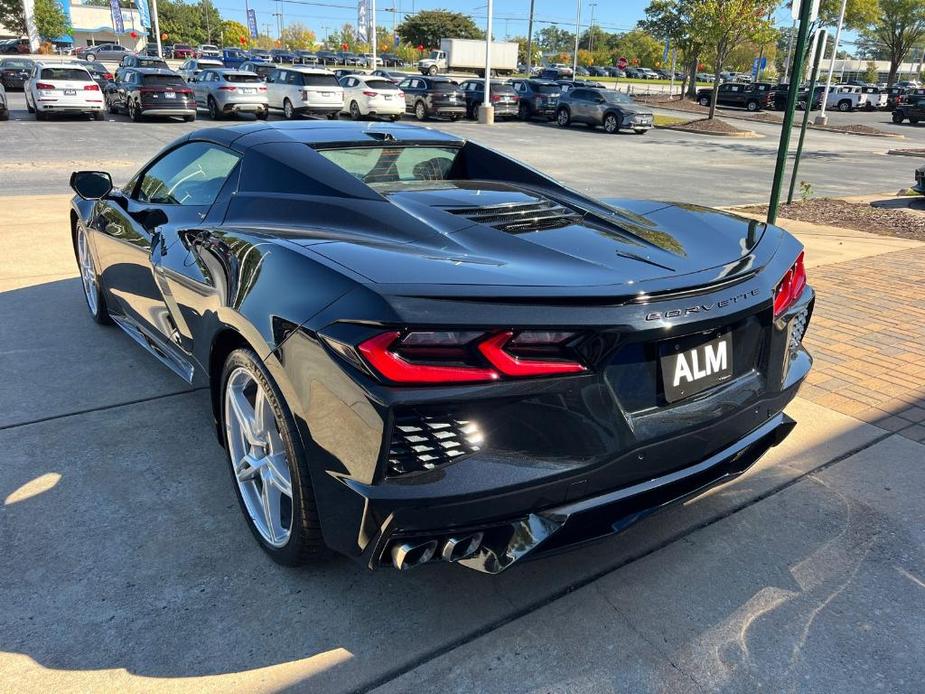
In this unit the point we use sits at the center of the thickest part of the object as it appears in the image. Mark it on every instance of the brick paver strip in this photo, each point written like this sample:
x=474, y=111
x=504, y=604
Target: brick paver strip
x=868, y=338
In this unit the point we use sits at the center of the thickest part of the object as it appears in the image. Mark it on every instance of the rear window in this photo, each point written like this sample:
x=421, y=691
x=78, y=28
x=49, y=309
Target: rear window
x=243, y=78
x=547, y=88
x=391, y=165
x=152, y=62
x=500, y=89
x=320, y=80
x=163, y=81
x=443, y=86
x=18, y=64
x=380, y=84
x=65, y=73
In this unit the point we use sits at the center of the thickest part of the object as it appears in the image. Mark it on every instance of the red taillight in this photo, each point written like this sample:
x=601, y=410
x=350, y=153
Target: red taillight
x=107, y=76
x=227, y=89
x=261, y=89
x=495, y=97
x=379, y=352
x=790, y=287
x=44, y=86
x=91, y=87
x=427, y=358
x=370, y=93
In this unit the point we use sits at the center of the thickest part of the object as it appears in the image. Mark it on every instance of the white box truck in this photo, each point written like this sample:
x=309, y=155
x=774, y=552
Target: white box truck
x=468, y=55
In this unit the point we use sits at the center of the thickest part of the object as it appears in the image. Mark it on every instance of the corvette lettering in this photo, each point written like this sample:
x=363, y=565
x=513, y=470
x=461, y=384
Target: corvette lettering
x=701, y=308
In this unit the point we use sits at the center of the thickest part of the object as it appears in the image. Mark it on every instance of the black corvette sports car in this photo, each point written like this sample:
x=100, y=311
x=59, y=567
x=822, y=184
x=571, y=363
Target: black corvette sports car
x=420, y=350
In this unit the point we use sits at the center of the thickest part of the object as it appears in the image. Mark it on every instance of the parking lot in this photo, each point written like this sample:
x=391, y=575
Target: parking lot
x=127, y=565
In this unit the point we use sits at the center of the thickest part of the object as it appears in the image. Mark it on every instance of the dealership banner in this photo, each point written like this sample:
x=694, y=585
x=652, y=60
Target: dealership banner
x=144, y=14
x=117, y=22
x=363, y=20
x=252, y=22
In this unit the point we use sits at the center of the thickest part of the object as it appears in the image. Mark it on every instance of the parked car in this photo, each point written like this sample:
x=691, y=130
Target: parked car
x=371, y=95
x=348, y=58
x=803, y=98
x=261, y=69
x=63, y=88
x=151, y=49
x=327, y=57
x=846, y=97
x=615, y=72
x=283, y=55
x=554, y=73
x=141, y=61
x=582, y=71
x=605, y=107
x=876, y=97
x=564, y=70
x=894, y=96
x=260, y=55
x=301, y=91
x=705, y=77
x=752, y=97
x=633, y=73
x=913, y=110
x=105, y=51
x=4, y=104
x=598, y=71
x=919, y=186
x=391, y=60
x=208, y=50
x=538, y=98
x=909, y=93
x=388, y=321
x=366, y=60
x=143, y=92
x=234, y=58
x=433, y=97
x=14, y=72
x=101, y=74
x=344, y=71
x=183, y=51
x=502, y=96
x=390, y=75
x=306, y=57
x=15, y=47
x=167, y=51
x=225, y=92
x=647, y=73
x=191, y=68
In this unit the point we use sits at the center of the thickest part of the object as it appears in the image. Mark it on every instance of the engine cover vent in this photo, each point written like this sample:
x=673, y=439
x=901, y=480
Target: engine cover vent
x=520, y=217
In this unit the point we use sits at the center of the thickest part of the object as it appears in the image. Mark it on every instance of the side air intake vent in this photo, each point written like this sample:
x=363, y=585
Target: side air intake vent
x=520, y=217
x=423, y=443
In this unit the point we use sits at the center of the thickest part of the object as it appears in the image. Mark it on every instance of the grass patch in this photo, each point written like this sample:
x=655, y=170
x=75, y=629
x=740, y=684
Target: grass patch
x=665, y=121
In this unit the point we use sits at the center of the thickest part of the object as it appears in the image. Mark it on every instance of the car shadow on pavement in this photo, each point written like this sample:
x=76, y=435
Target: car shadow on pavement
x=125, y=553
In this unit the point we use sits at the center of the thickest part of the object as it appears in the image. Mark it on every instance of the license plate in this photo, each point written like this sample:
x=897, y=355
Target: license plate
x=70, y=92
x=170, y=95
x=326, y=93
x=688, y=370
x=247, y=91
x=388, y=96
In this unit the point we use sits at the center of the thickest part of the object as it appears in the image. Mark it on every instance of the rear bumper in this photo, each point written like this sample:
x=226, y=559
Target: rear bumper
x=252, y=107
x=189, y=111
x=318, y=110
x=69, y=108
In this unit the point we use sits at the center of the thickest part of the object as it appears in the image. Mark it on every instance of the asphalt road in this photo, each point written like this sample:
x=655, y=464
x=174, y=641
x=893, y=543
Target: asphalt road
x=127, y=566
x=662, y=164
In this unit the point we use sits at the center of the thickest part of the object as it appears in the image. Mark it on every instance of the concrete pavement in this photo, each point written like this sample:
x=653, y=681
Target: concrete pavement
x=127, y=565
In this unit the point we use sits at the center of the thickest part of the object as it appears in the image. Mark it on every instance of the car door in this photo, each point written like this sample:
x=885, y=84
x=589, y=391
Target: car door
x=139, y=232
x=406, y=86
x=122, y=87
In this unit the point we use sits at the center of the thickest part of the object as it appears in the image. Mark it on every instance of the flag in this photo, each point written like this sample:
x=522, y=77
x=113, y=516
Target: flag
x=252, y=22
x=363, y=20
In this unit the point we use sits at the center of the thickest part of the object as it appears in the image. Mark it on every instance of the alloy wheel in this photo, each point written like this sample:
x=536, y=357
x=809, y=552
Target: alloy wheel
x=87, y=272
x=288, y=111
x=420, y=111
x=610, y=123
x=258, y=457
x=354, y=110
x=562, y=117
x=213, y=109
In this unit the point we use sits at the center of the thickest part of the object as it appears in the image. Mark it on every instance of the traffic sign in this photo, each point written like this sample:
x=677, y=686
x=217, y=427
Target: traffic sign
x=622, y=63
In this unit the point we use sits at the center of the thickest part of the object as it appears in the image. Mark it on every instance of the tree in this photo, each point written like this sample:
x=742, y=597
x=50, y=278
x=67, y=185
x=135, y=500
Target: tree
x=186, y=23
x=552, y=39
x=427, y=27
x=899, y=26
x=233, y=33
x=639, y=47
x=859, y=14
x=673, y=20
x=50, y=21
x=871, y=74
x=521, y=42
x=724, y=24
x=298, y=36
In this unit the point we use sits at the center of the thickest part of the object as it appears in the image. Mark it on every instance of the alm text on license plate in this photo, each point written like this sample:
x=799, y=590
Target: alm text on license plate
x=688, y=369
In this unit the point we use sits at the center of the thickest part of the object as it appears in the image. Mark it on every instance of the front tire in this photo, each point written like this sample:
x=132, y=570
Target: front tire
x=752, y=106
x=611, y=124
x=704, y=101
x=90, y=280
x=897, y=118
x=355, y=111
x=844, y=106
x=563, y=118
x=432, y=71
x=267, y=462
x=420, y=111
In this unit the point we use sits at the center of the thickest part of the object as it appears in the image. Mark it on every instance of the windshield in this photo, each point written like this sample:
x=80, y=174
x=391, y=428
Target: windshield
x=18, y=64
x=394, y=164
x=65, y=73
x=434, y=55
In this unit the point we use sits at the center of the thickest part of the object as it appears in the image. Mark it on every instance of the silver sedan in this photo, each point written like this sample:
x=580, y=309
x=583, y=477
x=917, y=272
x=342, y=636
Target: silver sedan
x=226, y=92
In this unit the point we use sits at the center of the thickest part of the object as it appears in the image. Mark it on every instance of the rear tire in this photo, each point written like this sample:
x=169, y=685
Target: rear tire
x=844, y=106
x=897, y=118
x=913, y=121
x=214, y=112
x=189, y=119
x=563, y=118
x=288, y=111
x=395, y=117
x=420, y=111
x=304, y=541
x=90, y=279
x=355, y=111
x=134, y=111
x=752, y=106
x=98, y=115
x=523, y=112
x=29, y=107
x=704, y=101
x=40, y=115
x=263, y=115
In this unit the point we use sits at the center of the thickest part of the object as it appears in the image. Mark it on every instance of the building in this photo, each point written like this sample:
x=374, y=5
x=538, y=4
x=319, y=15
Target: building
x=93, y=24
x=853, y=69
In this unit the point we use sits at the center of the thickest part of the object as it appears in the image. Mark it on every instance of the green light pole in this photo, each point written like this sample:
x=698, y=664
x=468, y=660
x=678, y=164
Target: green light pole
x=796, y=74
x=821, y=38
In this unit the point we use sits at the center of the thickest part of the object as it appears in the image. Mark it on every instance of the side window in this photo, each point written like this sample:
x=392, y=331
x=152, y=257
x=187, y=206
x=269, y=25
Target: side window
x=404, y=84
x=192, y=174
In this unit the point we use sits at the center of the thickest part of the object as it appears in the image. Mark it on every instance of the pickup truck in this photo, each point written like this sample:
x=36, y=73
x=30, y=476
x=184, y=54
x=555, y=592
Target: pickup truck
x=846, y=97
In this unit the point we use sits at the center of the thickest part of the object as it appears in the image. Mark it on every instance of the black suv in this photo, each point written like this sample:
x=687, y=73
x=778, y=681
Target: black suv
x=753, y=97
x=503, y=98
x=433, y=97
x=142, y=61
x=537, y=98
x=14, y=72
x=142, y=92
x=912, y=109
x=606, y=107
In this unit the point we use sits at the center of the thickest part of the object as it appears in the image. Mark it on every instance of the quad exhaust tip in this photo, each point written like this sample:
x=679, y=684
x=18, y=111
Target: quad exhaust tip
x=409, y=554
x=456, y=548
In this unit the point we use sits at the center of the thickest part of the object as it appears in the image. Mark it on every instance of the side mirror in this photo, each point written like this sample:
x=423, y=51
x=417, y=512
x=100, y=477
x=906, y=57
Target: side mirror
x=91, y=185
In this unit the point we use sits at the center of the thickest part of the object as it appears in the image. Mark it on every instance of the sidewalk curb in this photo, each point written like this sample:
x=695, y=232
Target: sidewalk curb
x=745, y=134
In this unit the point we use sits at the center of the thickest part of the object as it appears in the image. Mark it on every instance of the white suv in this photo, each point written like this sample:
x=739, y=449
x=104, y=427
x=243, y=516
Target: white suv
x=63, y=88
x=298, y=91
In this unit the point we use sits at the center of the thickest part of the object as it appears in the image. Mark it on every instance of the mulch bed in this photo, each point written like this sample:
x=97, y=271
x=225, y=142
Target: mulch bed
x=849, y=215
x=714, y=126
x=908, y=152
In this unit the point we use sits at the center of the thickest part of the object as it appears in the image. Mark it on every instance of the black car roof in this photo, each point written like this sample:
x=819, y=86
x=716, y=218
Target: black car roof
x=153, y=71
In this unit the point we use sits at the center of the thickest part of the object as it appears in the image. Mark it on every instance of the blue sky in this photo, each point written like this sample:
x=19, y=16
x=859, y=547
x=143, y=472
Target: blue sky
x=510, y=15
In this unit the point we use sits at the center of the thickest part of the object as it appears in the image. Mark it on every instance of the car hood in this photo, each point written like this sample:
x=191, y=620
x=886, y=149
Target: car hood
x=490, y=234
x=633, y=109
